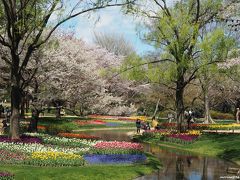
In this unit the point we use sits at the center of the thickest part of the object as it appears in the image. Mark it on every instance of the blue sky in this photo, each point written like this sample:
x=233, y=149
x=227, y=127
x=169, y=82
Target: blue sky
x=110, y=20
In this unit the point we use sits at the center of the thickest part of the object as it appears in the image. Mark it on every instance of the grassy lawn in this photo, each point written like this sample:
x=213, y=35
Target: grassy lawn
x=96, y=172
x=222, y=145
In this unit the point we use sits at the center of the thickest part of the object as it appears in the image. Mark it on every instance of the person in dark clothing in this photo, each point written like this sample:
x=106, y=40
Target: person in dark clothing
x=1, y=110
x=138, y=125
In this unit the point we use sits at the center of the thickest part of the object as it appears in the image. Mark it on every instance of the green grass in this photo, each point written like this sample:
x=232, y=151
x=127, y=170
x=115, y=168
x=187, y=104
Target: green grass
x=96, y=172
x=222, y=145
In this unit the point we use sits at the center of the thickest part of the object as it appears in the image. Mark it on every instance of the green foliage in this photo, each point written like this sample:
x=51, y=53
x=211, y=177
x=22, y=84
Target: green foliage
x=54, y=129
x=219, y=115
x=132, y=68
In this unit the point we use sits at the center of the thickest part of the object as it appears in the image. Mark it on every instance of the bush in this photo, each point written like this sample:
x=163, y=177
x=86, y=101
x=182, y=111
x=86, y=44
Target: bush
x=54, y=129
x=219, y=115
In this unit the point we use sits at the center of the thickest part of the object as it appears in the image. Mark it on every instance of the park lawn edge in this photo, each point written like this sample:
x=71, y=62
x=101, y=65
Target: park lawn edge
x=91, y=172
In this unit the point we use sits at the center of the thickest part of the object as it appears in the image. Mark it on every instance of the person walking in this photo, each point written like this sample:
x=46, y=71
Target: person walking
x=154, y=123
x=237, y=115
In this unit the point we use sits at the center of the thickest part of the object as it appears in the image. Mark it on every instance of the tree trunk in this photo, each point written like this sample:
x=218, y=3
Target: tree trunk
x=34, y=121
x=156, y=108
x=16, y=98
x=207, y=117
x=15, y=106
x=22, y=115
x=58, y=114
x=27, y=105
x=179, y=106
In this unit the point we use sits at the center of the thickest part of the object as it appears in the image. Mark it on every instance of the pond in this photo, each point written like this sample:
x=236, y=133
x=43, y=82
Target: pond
x=177, y=165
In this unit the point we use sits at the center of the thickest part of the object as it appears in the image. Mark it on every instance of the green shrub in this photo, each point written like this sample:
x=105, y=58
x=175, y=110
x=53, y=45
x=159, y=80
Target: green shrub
x=54, y=129
x=219, y=115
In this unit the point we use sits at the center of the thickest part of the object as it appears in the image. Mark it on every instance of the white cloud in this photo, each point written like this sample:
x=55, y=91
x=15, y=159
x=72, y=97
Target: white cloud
x=105, y=20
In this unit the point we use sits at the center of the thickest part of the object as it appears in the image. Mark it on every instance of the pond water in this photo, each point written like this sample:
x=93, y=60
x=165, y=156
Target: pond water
x=177, y=165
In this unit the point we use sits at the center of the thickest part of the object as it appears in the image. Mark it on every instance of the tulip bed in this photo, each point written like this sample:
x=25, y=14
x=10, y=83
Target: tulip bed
x=45, y=150
x=78, y=136
x=103, y=123
x=131, y=118
x=204, y=126
x=115, y=147
x=51, y=158
x=4, y=175
x=172, y=136
x=115, y=158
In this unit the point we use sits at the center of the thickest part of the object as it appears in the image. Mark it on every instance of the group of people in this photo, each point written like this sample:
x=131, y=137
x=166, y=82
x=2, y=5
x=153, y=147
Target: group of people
x=142, y=125
x=5, y=112
x=145, y=125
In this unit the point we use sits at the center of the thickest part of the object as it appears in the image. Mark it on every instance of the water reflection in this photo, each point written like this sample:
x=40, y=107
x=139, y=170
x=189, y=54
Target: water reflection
x=110, y=135
x=177, y=165
x=184, y=166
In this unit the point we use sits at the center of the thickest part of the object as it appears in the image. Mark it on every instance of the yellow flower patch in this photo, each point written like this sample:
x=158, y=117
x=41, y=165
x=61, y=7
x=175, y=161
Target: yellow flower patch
x=54, y=155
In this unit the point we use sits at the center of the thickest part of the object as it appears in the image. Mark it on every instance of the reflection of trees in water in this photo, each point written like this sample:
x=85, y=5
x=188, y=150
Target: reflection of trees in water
x=180, y=168
x=205, y=169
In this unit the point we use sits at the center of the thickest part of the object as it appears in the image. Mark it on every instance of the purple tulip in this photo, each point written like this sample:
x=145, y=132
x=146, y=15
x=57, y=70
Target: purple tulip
x=184, y=137
x=23, y=139
x=6, y=174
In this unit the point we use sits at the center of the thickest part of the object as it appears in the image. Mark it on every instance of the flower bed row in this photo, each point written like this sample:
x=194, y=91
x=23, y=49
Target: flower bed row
x=131, y=118
x=78, y=136
x=204, y=126
x=111, y=123
x=4, y=175
x=167, y=135
x=54, y=159
x=62, y=151
x=23, y=139
x=115, y=158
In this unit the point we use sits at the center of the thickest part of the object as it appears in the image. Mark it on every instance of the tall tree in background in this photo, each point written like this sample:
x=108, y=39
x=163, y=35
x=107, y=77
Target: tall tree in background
x=27, y=25
x=176, y=31
x=114, y=43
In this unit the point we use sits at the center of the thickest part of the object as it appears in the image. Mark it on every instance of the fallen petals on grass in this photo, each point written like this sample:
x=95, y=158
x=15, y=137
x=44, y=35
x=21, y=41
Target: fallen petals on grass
x=115, y=158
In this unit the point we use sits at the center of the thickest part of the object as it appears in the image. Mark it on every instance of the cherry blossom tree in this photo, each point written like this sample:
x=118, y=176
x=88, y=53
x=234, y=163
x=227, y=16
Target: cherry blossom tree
x=79, y=75
x=22, y=23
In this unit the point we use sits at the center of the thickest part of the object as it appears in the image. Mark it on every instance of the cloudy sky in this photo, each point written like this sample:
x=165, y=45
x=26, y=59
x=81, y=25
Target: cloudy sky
x=109, y=20
x=112, y=20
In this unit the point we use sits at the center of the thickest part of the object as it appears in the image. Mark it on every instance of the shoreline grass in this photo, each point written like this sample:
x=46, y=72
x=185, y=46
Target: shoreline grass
x=225, y=146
